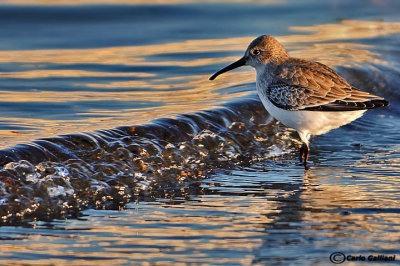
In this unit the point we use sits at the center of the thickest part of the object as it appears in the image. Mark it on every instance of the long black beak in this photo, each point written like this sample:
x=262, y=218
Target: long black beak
x=239, y=63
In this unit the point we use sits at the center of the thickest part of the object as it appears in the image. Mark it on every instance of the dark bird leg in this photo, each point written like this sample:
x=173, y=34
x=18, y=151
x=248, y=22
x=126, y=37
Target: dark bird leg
x=304, y=151
x=301, y=154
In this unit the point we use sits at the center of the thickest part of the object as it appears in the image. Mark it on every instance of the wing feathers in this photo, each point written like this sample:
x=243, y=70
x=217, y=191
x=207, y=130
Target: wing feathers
x=348, y=106
x=305, y=85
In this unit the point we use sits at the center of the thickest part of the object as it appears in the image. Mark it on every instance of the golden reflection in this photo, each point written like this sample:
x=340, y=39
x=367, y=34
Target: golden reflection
x=172, y=94
x=345, y=30
x=166, y=232
x=127, y=55
x=339, y=54
x=191, y=231
x=363, y=197
x=196, y=90
x=135, y=55
x=68, y=73
x=174, y=97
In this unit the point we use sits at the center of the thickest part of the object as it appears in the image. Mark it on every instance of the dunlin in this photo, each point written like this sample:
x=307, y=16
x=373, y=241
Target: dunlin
x=307, y=96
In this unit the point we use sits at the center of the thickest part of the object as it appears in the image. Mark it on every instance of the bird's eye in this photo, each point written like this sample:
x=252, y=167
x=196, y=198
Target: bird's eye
x=256, y=52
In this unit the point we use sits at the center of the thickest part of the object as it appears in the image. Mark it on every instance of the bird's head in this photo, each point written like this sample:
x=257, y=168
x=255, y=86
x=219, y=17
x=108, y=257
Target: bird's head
x=261, y=51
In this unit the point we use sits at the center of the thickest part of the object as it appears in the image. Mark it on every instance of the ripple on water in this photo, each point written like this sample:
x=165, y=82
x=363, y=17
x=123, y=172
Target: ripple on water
x=58, y=177
x=213, y=187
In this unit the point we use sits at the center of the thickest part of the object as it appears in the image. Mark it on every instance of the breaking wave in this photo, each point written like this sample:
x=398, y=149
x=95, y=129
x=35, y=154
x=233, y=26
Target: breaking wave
x=60, y=176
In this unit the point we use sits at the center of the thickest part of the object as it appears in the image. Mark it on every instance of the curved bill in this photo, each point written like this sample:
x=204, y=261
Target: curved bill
x=239, y=63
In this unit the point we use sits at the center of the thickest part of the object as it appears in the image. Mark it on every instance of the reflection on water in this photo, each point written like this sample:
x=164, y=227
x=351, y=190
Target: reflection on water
x=150, y=81
x=134, y=97
x=346, y=30
x=214, y=180
x=239, y=217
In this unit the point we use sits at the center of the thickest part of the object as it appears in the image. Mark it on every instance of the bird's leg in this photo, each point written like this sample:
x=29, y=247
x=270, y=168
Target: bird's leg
x=304, y=151
x=301, y=153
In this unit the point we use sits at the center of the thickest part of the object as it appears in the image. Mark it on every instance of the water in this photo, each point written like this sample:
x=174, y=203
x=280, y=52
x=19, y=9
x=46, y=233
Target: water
x=117, y=149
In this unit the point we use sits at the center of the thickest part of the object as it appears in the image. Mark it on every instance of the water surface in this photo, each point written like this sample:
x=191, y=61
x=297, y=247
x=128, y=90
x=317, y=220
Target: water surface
x=117, y=149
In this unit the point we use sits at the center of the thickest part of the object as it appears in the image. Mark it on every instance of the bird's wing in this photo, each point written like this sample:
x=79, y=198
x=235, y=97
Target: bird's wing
x=305, y=85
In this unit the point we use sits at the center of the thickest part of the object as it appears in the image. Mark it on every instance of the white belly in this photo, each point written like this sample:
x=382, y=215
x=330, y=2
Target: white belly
x=311, y=122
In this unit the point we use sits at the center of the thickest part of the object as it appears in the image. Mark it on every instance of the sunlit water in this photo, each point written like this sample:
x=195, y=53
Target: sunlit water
x=117, y=149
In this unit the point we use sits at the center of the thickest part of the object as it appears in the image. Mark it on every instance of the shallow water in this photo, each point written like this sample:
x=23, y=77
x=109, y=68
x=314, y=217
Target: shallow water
x=174, y=168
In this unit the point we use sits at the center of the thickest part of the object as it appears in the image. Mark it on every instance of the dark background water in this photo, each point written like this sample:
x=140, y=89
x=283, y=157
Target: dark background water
x=196, y=171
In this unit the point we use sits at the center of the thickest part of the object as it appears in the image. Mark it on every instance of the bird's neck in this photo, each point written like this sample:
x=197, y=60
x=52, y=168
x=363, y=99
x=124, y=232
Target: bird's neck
x=265, y=72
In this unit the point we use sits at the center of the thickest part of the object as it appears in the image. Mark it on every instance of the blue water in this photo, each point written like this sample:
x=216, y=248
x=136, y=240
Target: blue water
x=117, y=149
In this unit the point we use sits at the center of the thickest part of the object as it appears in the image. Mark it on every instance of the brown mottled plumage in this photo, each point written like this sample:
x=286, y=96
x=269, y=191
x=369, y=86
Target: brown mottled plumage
x=307, y=96
x=314, y=86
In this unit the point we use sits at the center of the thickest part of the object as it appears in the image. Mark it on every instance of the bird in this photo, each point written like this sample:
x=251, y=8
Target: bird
x=305, y=95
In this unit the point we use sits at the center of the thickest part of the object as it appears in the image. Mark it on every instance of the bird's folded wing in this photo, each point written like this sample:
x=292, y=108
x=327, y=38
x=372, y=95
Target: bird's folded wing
x=305, y=85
